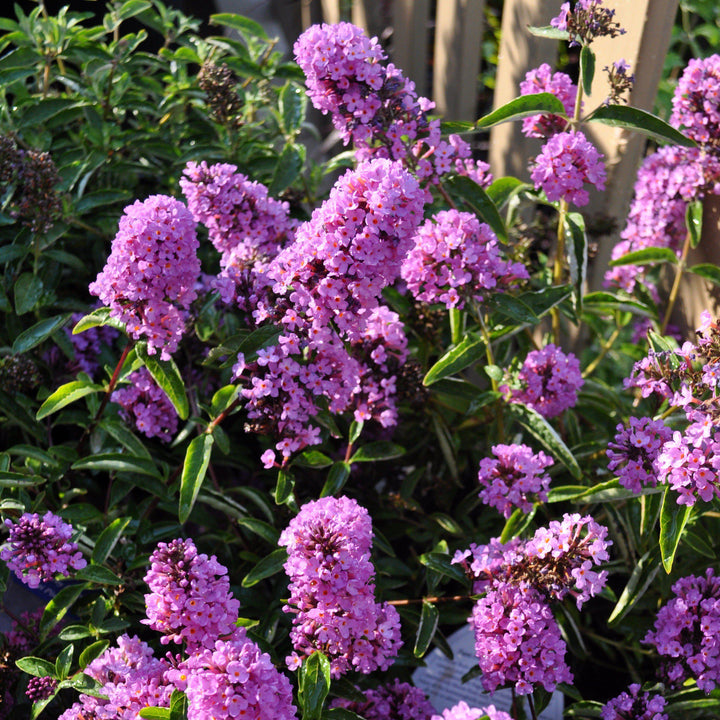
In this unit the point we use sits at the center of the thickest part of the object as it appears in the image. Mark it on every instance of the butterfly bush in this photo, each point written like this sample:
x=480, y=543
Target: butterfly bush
x=397, y=700
x=39, y=548
x=542, y=79
x=549, y=381
x=189, y=600
x=636, y=705
x=456, y=258
x=587, y=21
x=462, y=711
x=512, y=476
x=374, y=106
x=146, y=406
x=332, y=593
x=685, y=633
x=149, y=279
x=696, y=101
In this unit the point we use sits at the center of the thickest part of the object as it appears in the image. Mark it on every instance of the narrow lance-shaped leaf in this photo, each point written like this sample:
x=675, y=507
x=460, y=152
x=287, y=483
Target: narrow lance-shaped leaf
x=38, y=333
x=167, y=376
x=640, y=580
x=108, y=539
x=469, y=351
x=523, y=107
x=693, y=221
x=707, y=271
x=577, y=254
x=195, y=466
x=429, y=617
x=267, y=567
x=645, y=257
x=480, y=201
x=587, y=68
x=65, y=395
x=641, y=121
x=673, y=519
x=314, y=685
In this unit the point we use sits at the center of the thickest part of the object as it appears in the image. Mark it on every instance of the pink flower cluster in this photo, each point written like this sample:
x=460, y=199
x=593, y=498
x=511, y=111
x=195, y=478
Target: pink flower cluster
x=462, y=711
x=246, y=226
x=541, y=80
x=696, y=101
x=131, y=678
x=512, y=477
x=234, y=679
x=148, y=281
x=332, y=593
x=190, y=599
x=456, y=258
x=636, y=705
x=146, y=406
x=566, y=162
x=633, y=453
x=687, y=632
x=373, y=105
x=550, y=380
x=39, y=548
x=516, y=638
x=396, y=700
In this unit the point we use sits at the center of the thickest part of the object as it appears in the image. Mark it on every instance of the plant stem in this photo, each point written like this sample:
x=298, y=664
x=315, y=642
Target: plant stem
x=531, y=705
x=603, y=352
x=417, y=601
x=676, y=284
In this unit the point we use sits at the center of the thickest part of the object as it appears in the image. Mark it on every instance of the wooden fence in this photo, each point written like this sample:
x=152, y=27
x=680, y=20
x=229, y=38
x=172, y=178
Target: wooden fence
x=447, y=72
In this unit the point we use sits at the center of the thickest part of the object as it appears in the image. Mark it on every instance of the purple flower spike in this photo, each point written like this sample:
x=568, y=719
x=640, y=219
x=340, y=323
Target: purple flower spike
x=38, y=548
x=635, y=705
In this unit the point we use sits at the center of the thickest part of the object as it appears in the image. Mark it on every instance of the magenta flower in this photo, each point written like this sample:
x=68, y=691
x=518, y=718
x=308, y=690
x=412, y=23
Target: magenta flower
x=396, y=700
x=686, y=632
x=566, y=162
x=550, y=380
x=332, y=593
x=696, y=102
x=40, y=688
x=517, y=641
x=540, y=80
x=636, y=705
x=38, y=548
x=634, y=452
x=234, y=679
x=515, y=474
x=146, y=406
x=149, y=279
x=190, y=599
x=456, y=258
x=462, y=711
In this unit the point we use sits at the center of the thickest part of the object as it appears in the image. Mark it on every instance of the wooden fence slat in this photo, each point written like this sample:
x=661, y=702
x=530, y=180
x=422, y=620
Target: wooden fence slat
x=410, y=40
x=458, y=43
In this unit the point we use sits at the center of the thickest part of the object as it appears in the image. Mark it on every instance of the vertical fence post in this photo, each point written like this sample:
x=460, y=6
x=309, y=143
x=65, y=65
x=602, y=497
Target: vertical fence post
x=410, y=40
x=458, y=44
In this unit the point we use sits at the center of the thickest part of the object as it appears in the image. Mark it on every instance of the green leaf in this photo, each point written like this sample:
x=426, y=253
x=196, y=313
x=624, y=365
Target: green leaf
x=167, y=376
x=516, y=524
x=337, y=477
x=36, y=666
x=548, y=31
x=93, y=200
x=289, y=165
x=28, y=290
x=56, y=609
x=38, y=333
x=40, y=111
x=118, y=462
x=356, y=428
x=267, y=567
x=260, y=528
x=480, y=202
x=646, y=256
x=178, y=705
x=380, y=450
x=98, y=318
x=341, y=714
x=577, y=254
x=11, y=479
x=503, y=188
x=640, y=580
x=63, y=662
x=284, y=488
x=541, y=429
x=466, y=353
x=66, y=394
x=292, y=101
x=98, y=574
x=223, y=398
x=314, y=685
x=587, y=68
x=245, y=26
x=429, y=617
x=74, y=632
x=693, y=221
x=109, y=537
x=195, y=466
x=515, y=309
x=523, y=107
x=641, y=121
x=440, y=563
x=155, y=713
x=448, y=127
x=673, y=519
x=707, y=271
x=131, y=8
x=313, y=459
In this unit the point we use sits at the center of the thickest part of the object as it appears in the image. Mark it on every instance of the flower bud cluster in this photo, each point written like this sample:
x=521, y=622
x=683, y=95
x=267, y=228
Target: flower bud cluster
x=587, y=21
x=39, y=548
x=636, y=705
x=332, y=590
